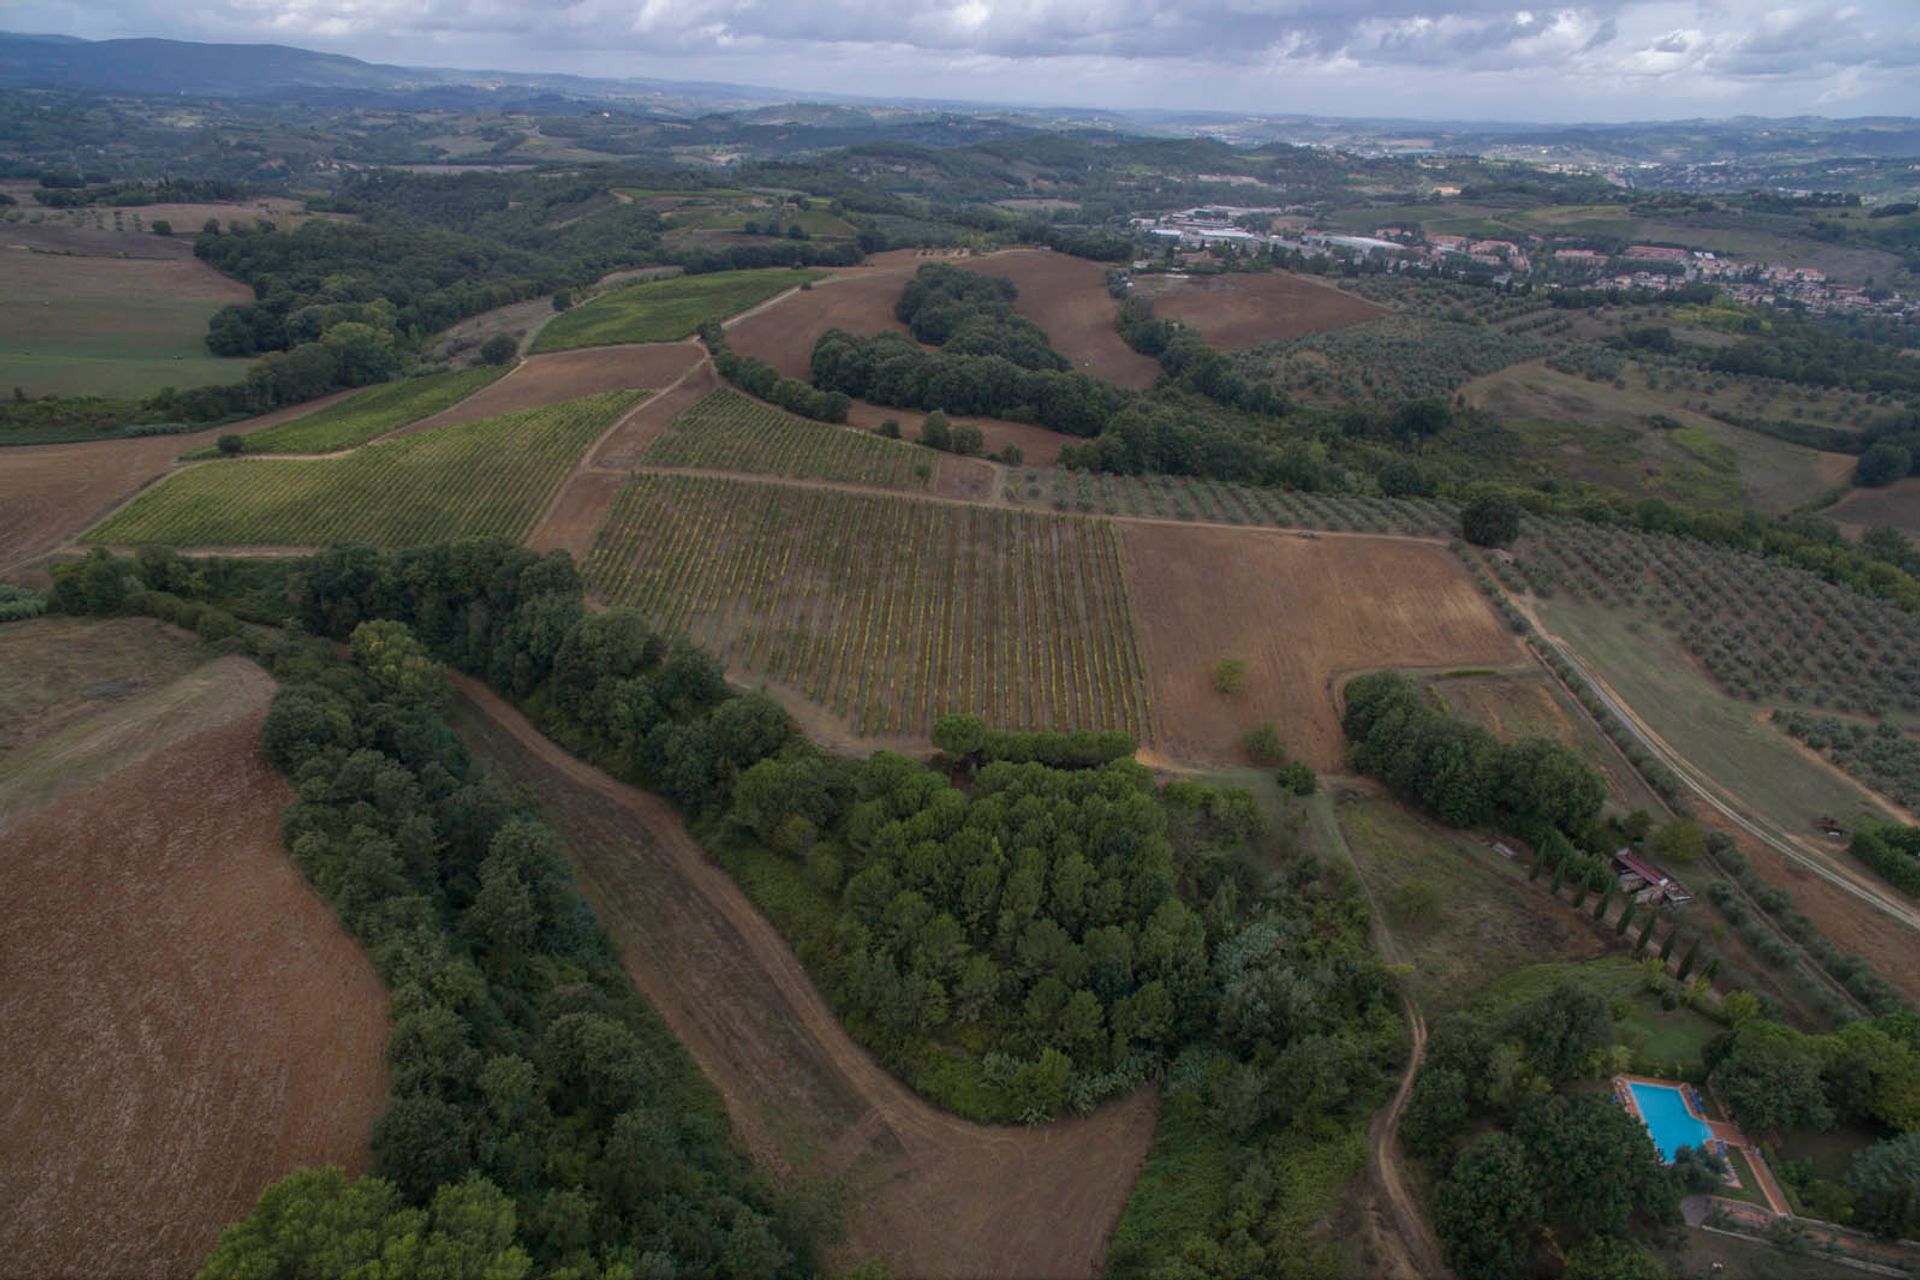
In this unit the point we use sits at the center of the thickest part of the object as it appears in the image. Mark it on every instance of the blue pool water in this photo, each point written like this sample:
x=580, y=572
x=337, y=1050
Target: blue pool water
x=1668, y=1120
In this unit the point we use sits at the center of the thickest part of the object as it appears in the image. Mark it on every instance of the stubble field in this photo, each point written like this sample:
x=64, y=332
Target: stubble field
x=1301, y=614
x=1242, y=309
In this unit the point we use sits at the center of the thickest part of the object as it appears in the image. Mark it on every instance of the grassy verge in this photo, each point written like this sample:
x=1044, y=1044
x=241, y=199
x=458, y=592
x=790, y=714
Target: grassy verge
x=665, y=310
x=371, y=413
x=1721, y=737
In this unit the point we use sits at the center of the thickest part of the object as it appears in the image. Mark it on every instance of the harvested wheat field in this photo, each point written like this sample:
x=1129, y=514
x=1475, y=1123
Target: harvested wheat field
x=1243, y=309
x=566, y=375
x=1067, y=296
x=927, y=1194
x=1301, y=613
x=50, y=492
x=186, y=1020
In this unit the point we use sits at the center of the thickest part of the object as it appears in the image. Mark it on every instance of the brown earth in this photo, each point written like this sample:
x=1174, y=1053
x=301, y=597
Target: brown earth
x=859, y=300
x=1242, y=309
x=186, y=1021
x=581, y=506
x=927, y=1194
x=1898, y=504
x=1039, y=447
x=1067, y=296
x=566, y=375
x=50, y=492
x=1302, y=613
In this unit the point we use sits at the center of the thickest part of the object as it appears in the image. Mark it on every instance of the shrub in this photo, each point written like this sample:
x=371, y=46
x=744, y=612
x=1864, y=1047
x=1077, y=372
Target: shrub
x=499, y=349
x=230, y=445
x=1491, y=520
x=1264, y=746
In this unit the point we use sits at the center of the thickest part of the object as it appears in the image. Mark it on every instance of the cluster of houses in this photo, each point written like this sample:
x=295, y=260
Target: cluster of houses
x=1555, y=262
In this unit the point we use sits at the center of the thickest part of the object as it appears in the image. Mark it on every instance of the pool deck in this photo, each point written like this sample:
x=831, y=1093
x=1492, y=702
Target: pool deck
x=1722, y=1131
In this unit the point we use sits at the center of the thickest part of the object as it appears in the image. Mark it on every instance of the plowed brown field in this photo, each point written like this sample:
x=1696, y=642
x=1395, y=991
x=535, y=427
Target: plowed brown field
x=928, y=1194
x=1067, y=296
x=1301, y=613
x=566, y=375
x=859, y=301
x=1245, y=309
x=185, y=1020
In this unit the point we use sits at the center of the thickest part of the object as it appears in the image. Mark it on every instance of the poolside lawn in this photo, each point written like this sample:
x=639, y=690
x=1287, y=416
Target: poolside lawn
x=1749, y=1188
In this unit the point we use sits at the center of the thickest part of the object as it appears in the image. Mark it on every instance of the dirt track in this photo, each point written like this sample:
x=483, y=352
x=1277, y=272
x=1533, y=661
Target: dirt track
x=1301, y=613
x=565, y=375
x=185, y=1020
x=931, y=1195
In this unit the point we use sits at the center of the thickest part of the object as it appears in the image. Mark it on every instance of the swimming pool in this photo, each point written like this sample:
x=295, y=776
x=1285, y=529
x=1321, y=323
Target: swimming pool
x=1667, y=1118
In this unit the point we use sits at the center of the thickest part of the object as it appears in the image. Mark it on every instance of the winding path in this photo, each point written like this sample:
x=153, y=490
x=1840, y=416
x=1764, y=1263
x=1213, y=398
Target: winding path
x=928, y=1194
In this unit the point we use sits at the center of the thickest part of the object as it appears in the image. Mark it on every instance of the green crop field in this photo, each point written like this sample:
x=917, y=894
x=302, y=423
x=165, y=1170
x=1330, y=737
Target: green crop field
x=665, y=310
x=888, y=611
x=726, y=431
x=373, y=412
x=488, y=479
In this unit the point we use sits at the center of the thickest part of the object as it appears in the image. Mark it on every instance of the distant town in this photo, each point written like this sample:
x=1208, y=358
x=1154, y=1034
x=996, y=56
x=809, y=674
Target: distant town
x=1550, y=262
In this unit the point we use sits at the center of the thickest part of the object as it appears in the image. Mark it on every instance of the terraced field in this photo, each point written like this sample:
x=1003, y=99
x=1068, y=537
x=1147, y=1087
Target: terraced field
x=488, y=479
x=887, y=611
x=726, y=431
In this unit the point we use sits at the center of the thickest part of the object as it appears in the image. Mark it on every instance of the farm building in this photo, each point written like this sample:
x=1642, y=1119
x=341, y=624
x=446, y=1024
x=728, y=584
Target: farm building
x=1644, y=882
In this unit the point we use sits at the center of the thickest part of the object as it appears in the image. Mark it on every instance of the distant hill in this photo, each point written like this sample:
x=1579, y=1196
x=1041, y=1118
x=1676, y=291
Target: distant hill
x=268, y=71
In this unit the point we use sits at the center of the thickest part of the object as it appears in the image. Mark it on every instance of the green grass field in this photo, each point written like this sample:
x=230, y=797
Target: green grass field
x=1724, y=738
x=1674, y=1036
x=665, y=310
x=488, y=479
x=1462, y=914
x=373, y=412
x=727, y=431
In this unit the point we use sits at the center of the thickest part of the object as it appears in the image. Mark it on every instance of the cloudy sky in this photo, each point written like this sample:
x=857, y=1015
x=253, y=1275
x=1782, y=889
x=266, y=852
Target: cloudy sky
x=1440, y=59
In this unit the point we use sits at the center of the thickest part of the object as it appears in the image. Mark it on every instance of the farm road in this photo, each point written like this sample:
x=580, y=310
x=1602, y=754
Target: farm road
x=1839, y=877
x=930, y=1195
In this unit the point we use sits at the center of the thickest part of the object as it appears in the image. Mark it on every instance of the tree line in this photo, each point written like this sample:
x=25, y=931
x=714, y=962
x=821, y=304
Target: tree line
x=541, y=1117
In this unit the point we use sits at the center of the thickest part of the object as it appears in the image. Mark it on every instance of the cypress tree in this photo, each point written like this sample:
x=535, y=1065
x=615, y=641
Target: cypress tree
x=1626, y=918
x=1653, y=918
x=1686, y=961
x=1673, y=937
x=1559, y=878
x=1606, y=900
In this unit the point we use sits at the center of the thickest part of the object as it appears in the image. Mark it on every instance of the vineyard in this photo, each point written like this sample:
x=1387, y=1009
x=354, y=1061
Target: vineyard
x=372, y=412
x=665, y=310
x=888, y=611
x=1186, y=498
x=488, y=479
x=726, y=431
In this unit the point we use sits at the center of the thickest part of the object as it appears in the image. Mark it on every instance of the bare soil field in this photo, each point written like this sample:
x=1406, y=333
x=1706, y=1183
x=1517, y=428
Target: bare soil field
x=50, y=492
x=928, y=1194
x=1301, y=613
x=1898, y=504
x=56, y=670
x=1067, y=296
x=566, y=375
x=186, y=1020
x=1039, y=447
x=859, y=300
x=1243, y=309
